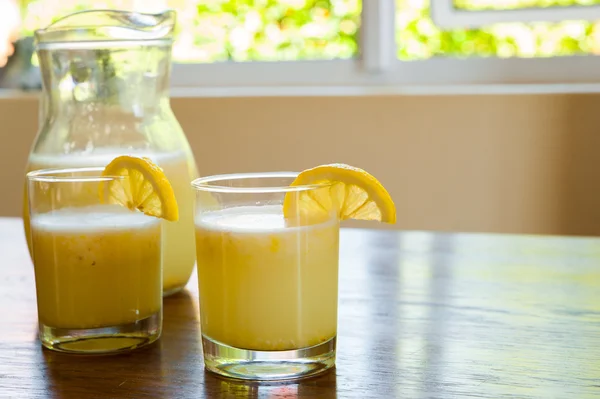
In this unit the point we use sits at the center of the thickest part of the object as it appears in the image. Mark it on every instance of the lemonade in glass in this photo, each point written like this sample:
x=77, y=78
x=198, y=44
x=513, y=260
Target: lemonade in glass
x=97, y=260
x=178, y=239
x=268, y=287
x=267, y=249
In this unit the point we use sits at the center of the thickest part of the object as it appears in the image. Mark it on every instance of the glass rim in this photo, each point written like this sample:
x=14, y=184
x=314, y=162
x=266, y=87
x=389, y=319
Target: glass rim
x=61, y=175
x=208, y=183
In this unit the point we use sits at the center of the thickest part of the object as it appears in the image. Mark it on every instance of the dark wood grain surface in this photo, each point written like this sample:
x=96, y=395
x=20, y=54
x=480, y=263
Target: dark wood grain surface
x=420, y=316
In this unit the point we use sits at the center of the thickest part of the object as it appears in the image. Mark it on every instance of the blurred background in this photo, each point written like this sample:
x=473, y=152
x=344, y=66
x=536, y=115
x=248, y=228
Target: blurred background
x=291, y=30
x=501, y=157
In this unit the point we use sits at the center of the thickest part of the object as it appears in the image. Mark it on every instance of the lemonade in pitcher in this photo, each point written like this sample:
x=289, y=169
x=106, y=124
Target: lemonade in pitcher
x=106, y=78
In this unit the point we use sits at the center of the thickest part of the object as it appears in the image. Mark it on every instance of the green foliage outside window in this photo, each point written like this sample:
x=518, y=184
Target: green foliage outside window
x=287, y=30
x=419, y=38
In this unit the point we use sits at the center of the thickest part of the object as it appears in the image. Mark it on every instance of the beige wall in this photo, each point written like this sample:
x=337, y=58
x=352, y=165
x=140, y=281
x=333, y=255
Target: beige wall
x=502, y=163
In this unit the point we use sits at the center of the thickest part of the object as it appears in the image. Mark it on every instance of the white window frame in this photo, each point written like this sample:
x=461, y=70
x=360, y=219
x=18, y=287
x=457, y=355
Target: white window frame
x=445, y=15
x=378, y=67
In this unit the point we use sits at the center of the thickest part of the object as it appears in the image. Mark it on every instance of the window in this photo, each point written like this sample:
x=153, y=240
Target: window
x=237, y=30
x=498, y=41
x=351, y=43
x=469, y=28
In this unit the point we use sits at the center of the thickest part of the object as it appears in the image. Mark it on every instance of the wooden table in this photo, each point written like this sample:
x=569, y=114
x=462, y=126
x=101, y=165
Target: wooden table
x=421, y=316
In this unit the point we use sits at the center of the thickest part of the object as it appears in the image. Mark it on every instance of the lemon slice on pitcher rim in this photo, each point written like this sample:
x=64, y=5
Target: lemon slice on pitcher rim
x=144, y=187
x=350, y=192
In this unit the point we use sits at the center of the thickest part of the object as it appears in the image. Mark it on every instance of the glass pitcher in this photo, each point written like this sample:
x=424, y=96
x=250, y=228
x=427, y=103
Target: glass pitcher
x=105, y=78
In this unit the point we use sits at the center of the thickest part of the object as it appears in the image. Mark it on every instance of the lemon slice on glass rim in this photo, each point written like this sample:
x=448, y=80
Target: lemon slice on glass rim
x=144, y=187
x=350, y=192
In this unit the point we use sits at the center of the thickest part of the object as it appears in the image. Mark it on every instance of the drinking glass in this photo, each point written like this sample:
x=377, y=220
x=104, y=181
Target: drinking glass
x=268, y=284
x=98, y=267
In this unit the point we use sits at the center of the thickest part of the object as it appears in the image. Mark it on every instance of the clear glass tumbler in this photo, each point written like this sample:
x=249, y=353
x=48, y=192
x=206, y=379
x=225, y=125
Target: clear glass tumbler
x=268, y=284
x=98, y=267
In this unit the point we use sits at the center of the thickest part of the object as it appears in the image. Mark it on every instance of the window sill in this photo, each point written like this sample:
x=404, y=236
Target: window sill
x=357, y=91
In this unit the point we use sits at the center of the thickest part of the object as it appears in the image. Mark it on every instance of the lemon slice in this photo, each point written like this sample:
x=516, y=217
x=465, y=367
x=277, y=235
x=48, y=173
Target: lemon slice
x=145, y=187
x=350, y=192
